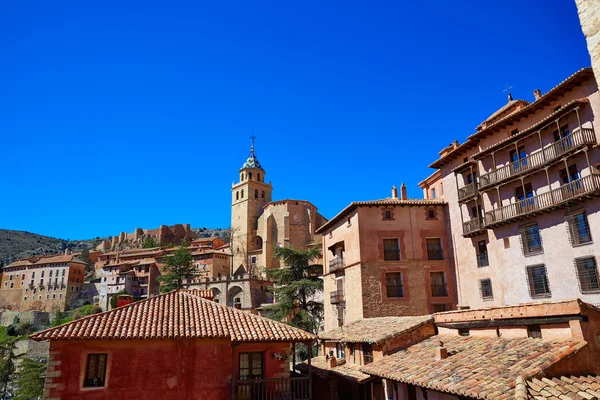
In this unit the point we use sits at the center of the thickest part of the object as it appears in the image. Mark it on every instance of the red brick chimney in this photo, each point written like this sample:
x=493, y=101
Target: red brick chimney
x=394, y=192
x=441, y=352
x=403, y=191
x=537, y=93
x=332, y=362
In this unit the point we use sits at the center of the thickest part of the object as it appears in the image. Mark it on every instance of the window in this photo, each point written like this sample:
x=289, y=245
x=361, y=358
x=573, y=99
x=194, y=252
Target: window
x=258, y=177
x=12, y=284
x=538, y=281
x=352, y=355
x=391, y=251
x=482, y=256
x=10, y=278
x=570, y=175
x=441, y=308
x=251, y=366
x=439, y=287
x=531, y=240
x=518, y=159
x=63, y=272
x=534, y=331
x=514, y=132
x=340, y=350
x=42, y=274
x=579, y=228
x=485, y=288
x=367, y=353
x=237, y=195
x=525, y=199
x=262, y=194
x=433, y=194
x=587, y=272
x=33, y=275
x=430, y=214
x=25, y=298
x=387, y=214
x=256, y=193
x=95, y=371
x=434, y=249
x=242, y=194
x=394, y=284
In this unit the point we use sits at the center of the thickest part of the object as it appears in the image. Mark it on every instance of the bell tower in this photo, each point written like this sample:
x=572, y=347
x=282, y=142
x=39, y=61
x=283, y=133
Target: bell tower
x=248, y=197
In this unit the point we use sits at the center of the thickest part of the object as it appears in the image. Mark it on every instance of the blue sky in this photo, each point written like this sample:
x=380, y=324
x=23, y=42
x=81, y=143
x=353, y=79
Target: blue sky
x=117, y=115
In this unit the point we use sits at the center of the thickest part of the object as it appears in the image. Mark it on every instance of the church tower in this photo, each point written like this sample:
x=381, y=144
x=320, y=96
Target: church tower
x=248, y=197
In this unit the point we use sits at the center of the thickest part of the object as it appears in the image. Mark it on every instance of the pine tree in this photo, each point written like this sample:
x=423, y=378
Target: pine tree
x=179, y=268
x=295, y=288
x=30, y=383
x=7, y=364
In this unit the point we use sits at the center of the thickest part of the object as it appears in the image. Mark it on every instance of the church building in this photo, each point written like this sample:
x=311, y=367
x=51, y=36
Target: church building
x=258, y=223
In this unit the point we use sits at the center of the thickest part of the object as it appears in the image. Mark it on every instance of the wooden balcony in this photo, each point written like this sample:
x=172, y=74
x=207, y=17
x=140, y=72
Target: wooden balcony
x=472, y=227
x=296, y=388
x=336, y=297
x=467, y=191
x=579, y=189
x=535, y=161
x=336, y=264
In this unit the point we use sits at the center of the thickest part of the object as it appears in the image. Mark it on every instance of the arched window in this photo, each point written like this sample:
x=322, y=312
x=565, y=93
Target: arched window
x=256, y=193
x=241, y=177
x=262, y=195
x=242, y=195
x=237, y=195
x=258, y=242
x=258, y=177
x=249, y=175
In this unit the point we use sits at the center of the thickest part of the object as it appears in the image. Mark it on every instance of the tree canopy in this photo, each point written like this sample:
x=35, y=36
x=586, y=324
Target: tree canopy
x=179, y=267
x=297, y=284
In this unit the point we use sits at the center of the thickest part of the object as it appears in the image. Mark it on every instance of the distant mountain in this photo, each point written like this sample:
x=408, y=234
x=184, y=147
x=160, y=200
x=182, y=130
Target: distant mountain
x=21, y=244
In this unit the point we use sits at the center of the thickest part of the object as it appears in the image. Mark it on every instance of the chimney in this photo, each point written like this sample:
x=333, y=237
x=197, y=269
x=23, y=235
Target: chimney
x=441, y=352
x=394, y=192
x=403, y=191
x=331, y=362
x=537, y=93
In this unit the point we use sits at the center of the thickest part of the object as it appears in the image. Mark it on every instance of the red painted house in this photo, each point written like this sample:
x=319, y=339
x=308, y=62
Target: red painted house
x=174, y=346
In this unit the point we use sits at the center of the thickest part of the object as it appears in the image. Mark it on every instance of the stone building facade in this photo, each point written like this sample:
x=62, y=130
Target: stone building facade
x=164, y=235
x=390, y=257
x=46, y=283
x=258, y=223
x=522, y=194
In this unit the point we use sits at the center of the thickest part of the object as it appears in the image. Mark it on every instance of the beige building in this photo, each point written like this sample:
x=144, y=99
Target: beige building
x=389, y=257
x=522, y=194
x=46, y=283
x=258, y=223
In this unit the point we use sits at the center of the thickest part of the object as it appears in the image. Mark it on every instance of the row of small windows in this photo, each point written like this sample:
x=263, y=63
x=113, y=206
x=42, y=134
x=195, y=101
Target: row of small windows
x=47, y=297
x=394, y=284
x=391, y=249
x=389, y=214
x=578, y=227
x=586, y=270
x=240, y=194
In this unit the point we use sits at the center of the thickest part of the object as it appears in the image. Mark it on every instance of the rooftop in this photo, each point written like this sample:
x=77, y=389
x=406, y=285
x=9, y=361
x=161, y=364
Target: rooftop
x=478, y=367
x=182, y=314
x=344, y=369
x=573, y=387
x=42, y=260
x=375, y=330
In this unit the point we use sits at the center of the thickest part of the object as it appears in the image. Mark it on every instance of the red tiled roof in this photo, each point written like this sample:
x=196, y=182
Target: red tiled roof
x=375, y=330
x=179, y=314
x=573, y=387
x=42, y=260
x=344, y=369
x=478, y=367
x=389, y=201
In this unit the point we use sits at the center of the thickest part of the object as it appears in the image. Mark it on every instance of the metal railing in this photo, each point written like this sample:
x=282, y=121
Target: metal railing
x=337, y=296
x=335, y=264
x=483, y=260
x=439, y=290
x=273, y=388
x=391, y=255
x=548, y=154
x=572, y=190
x=472, y=226
x=435, y=254
x=466, y=191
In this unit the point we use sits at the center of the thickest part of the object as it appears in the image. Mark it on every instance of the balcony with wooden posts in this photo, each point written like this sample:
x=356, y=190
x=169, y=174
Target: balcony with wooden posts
x=577, y=190
x=472, y=227
x=467, y=191
x=336, y=296
x=536, y=161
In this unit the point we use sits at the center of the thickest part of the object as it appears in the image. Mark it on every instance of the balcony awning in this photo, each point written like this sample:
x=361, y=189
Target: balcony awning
x=336, y=245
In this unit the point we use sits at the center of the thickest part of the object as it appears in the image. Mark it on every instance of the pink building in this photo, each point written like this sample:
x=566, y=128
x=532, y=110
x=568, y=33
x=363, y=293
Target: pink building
x=522, y=194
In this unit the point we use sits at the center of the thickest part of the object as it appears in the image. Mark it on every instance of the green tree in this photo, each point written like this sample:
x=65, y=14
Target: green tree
x=295, y=289
x=7, y=363
x=149, y=243
x=178, y=267
x=30, y=383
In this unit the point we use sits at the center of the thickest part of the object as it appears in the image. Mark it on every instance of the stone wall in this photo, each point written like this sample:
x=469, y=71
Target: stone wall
x=589, y=17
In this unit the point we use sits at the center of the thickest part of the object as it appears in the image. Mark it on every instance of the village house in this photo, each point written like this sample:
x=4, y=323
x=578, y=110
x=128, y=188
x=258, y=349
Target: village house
x=389, y=257
x=42, y=283
x=522, y=194
x=175, y=345
x=535, y=350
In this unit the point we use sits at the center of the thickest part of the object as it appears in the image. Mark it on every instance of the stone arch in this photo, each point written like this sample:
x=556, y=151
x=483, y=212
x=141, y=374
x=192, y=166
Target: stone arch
x=237, y=195
x=218, y=295
x=258, y=177
x=234, y=297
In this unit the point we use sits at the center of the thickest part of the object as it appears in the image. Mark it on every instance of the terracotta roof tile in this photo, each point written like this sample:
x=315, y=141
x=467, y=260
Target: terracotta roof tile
x=479, y=367
x=175, y=315
x=574, y=387
x=42, y=260
x=375, y=330
x=344, y=369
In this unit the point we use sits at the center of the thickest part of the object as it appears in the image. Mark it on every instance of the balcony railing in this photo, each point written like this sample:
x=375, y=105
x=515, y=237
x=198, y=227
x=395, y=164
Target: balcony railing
x=435, y=254
x=466, y=191
x=273, y=388
x=586, y=186
x=483, y=260
x=391, y=255
x=472, y=226
x=439, y=290
x=335, y=264
x=337, y=296
x=548, y=154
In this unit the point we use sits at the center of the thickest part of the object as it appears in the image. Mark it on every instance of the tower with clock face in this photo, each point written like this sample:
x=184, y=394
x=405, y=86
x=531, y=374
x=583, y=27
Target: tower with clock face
x=248, y=198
